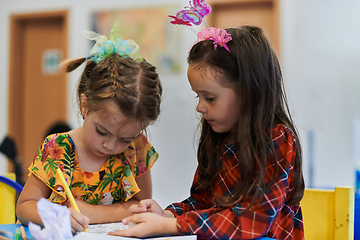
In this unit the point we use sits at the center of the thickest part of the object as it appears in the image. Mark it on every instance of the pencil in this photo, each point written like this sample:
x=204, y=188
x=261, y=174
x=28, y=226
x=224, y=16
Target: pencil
x=68, y=192
x=23, y=233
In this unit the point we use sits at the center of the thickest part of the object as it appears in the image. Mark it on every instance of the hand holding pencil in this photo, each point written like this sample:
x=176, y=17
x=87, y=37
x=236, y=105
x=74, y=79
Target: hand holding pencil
x=68, y=192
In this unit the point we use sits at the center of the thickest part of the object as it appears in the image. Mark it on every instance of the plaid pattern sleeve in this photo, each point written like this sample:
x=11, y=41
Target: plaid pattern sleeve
x=270, y=217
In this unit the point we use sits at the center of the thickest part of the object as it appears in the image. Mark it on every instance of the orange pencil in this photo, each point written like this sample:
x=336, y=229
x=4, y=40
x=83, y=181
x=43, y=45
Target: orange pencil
x=68, y=192
x=23, y=233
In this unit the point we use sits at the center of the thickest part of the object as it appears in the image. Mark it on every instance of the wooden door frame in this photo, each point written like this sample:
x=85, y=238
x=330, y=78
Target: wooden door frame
x=276, y=20
x=16, y=49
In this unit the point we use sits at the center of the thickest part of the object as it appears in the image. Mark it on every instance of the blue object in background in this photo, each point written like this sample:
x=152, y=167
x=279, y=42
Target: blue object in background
x=357, y=217
x=357, y=180
x=11, y=183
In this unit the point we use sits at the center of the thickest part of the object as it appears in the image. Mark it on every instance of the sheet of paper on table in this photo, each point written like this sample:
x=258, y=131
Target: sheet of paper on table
x=100, y=230
x=107, y=227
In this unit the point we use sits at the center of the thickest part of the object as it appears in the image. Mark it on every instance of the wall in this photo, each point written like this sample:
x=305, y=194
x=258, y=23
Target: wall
x=319, y=56
x=321, y=59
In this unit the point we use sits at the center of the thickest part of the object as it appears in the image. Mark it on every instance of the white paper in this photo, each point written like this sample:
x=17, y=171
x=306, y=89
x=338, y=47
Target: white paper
x=107, y=227
x=56, y=220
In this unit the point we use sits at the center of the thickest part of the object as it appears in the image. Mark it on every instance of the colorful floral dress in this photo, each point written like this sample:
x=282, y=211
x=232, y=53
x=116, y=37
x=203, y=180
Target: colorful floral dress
x=114, y=182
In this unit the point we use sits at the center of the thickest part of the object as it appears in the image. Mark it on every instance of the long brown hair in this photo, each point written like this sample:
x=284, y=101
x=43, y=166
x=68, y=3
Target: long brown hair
x=252, y=69
x=134, y=85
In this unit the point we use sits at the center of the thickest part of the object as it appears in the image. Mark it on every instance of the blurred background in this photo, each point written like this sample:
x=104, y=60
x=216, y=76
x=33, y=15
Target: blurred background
x=318, y=43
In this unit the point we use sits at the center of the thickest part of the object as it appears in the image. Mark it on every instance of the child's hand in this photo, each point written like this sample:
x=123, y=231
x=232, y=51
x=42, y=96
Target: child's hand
x=78, y=221
x=147, y=205
x=148, y=224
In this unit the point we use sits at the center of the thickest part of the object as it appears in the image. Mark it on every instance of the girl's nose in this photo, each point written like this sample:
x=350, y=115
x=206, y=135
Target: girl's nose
x=200, y=107
x=110, y=144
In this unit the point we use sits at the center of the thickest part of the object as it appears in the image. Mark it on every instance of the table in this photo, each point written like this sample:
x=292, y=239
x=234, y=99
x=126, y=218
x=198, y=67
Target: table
x=12, y=228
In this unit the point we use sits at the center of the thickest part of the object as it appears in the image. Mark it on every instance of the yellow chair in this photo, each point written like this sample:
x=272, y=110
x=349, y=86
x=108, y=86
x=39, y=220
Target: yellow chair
x=328, y=214
x=7, y=200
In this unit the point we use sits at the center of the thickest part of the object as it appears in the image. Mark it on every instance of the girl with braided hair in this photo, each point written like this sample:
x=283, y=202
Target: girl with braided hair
x=106, y=162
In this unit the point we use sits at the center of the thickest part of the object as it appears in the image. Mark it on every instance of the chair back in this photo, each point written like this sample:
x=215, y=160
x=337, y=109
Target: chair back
x=328, y=214
x=8, y=188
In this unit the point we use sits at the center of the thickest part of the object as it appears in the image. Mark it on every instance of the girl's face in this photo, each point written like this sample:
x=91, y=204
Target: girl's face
x=217, y=104
x=108, y=132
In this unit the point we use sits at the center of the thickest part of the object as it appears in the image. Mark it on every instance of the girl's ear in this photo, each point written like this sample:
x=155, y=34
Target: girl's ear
x=83, y=105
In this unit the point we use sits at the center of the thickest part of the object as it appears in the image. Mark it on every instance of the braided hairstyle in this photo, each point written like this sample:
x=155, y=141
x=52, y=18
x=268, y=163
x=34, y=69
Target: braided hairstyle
x=134, y=86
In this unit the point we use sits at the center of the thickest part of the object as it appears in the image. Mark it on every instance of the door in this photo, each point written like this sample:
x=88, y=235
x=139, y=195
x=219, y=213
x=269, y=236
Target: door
x=234, y=13
x=37, y=89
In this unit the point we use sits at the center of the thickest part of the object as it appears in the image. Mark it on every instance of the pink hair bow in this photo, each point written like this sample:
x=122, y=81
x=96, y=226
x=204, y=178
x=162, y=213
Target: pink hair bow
x=218, y=35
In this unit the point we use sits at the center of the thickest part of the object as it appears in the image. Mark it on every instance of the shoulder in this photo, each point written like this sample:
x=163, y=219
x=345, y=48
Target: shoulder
x=140, y=140
x=141, y=155
x=58, y=138
x=58, y=143
x=281, y=129
x=284, y=143
x=282, y=134
x=140, y=145
x=57, y=151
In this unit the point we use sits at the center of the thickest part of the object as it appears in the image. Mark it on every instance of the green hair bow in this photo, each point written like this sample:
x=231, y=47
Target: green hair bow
x=104, y=48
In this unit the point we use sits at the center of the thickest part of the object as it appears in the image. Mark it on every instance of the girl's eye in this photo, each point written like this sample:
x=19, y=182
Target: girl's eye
x=100, y=132
x=209, y=99
x=126, y=142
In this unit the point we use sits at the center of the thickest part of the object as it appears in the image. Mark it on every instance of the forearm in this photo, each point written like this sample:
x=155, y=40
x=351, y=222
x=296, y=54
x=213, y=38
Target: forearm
x=107, y=213
x=27, y=212
x=170, y=227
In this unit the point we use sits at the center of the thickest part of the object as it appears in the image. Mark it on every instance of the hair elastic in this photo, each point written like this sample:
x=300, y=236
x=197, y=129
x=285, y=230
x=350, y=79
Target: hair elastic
x=218, y=35
x=104, y=48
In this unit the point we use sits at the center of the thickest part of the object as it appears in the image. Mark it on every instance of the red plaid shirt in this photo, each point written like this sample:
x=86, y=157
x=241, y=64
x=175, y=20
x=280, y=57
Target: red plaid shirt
x=271, y=217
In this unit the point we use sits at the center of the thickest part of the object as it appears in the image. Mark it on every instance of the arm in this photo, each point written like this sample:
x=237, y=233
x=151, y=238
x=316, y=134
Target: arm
x=150, y=220
x=26, y=207
x=145, y=185
x=148, y=224
x=117, y=211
